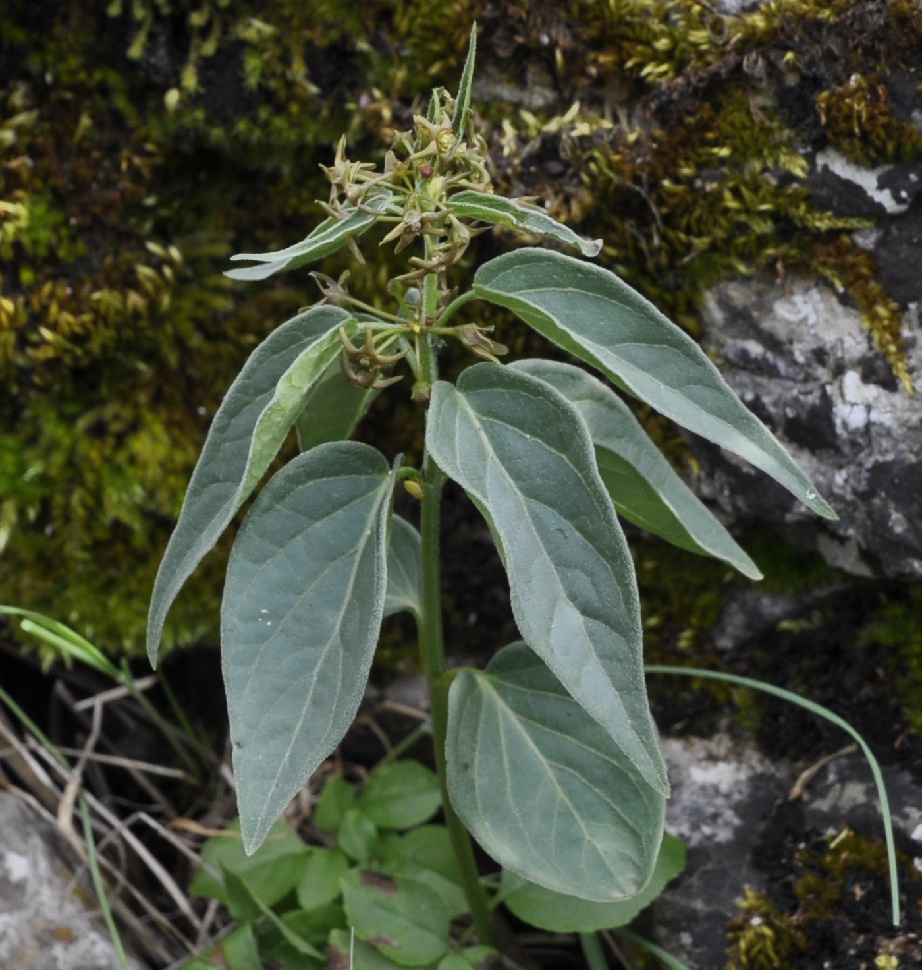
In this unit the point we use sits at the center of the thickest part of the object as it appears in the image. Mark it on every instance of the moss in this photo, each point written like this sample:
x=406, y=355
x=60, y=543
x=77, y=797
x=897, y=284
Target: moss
x=897, y=626
x=140, y=141
x=822, y=896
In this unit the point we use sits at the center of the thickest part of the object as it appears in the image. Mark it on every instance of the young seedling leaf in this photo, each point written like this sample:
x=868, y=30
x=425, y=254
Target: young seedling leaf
x=300, y=618
x=335, y=799
x=522, y=453
x=500, y=211
x=594, y=315
x=642, y=484
x=272, y=871
x=332, y=234
x=400, y=794
x=463, y=99
x=397, y=915
x=357, y=836
x=319, y=882
x=470, y=958
x=244, y=437
x=403, y=564
x=543, y=787
x=568, y=914
x=247, y=907
x=345, y=952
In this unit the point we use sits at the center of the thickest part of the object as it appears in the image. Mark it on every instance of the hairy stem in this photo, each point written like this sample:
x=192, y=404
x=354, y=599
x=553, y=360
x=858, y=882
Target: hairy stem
x=433, y=659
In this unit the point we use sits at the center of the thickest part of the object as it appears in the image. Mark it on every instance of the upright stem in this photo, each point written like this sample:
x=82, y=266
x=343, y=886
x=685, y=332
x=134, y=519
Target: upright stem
x=433, y=659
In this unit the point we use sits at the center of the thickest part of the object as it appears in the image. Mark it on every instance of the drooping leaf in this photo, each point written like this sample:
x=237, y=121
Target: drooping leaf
x=521, y=451
x=543, y=787
x=403, y=564
x=302, y=608
x=500, y=211
x=398, y=915
x=567, y=914
x=236, y=452
x=597, y=317
x=332, y=234
x=642, y=484
x=400, y=794
x=463, y=98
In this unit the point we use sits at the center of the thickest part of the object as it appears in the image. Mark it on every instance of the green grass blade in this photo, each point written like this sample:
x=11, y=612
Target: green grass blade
x=99, y=885
x=667, y=959
x=823, y=712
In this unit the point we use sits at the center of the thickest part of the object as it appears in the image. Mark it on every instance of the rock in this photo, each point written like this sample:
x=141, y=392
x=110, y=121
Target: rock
x=802, y=361
x=48, y=918
x=726, y=800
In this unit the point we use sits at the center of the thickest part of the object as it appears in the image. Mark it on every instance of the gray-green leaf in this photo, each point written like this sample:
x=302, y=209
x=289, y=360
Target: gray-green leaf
x=543, y=787
x=332, y=409
x=593, y=314
x=642, y=484
x=331, y=235
x=518, y=447
x=302, y=609
x=244, y=437
x=403, y=564
x=567, y=914
x=501, y=211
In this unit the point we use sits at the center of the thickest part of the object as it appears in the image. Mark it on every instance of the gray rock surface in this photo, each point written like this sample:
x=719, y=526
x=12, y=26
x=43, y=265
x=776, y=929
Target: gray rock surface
x=48, y=919
x=724, y=792
x=802, y=361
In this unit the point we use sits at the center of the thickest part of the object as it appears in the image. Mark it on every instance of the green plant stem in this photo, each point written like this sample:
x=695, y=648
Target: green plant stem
x=592, y=951
x=433, y=661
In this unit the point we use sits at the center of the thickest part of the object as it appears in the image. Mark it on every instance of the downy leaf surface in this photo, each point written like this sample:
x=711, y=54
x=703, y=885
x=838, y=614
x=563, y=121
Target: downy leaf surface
x=404, y=584
x=642, y=484
x=521, y=451
x=594, y=315
x=567, y=914
x=543, y=787
x=329, y=236
x=248, y=429
x=332, y=410
x=500, y=211
x=302, y=609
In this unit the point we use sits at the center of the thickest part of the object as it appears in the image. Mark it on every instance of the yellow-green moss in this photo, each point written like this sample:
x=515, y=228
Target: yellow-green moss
x=140, y=140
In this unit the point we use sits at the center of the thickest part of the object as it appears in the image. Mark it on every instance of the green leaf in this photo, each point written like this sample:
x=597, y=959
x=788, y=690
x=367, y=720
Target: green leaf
x=470, y=958
x=344, y=952
x=501, y=211
x=335, y=799
x=463, y=98
x=403, y=565
x=331, y=409
x=357, y=836
x=400, y=794
x=315, y=925
x=398, y=915
x=319, y=882
x=522, y=453
x=597, y=317
x=331, y=235
x=243, y=439
x=426, y=854
x=302, y=608
x=240, y=949
x=245, y=906
x=642, y=484
x=272, y=871
x=543, y=787
x=566, y=914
